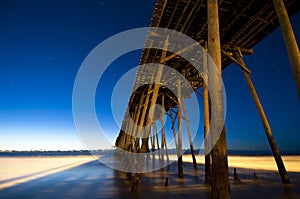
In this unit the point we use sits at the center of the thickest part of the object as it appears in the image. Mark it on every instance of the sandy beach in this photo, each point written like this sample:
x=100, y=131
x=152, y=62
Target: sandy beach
x=85, y=177
x=291, y=162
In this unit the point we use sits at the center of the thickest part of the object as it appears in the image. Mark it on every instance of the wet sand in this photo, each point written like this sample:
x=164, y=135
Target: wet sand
x=84, y=177
x=15, y=170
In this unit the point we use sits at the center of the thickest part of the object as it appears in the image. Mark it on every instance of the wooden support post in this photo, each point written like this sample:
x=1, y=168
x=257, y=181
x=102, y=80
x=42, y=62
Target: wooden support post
x=126, y=135
x=166, y=148
x=207, y=147
x=173, y=128
x=152, y=104
x=206, y=118
x=133, y=136
x=289, y=40
x=199, y=93
x=179, y=122
x=122, y=138
x=220, y=180
x=151, y=113
x=156, y=136
x=152, y=139
x=189, y=134
x=121, y=142
x=139, y=122
x=139, y=126
x=157, y=85
x=134, y=126
x=163, y=128
x=236, y=176
x=163, y=136
x=163, y=122
x=129, y=138
x=153, y=145
x=269, y=134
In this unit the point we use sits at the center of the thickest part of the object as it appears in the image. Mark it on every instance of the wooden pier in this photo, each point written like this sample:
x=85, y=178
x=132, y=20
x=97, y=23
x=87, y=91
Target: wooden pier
x=227, y=30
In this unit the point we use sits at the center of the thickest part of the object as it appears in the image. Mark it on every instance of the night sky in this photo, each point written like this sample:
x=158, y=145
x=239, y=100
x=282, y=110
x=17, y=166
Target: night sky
x=43, y=43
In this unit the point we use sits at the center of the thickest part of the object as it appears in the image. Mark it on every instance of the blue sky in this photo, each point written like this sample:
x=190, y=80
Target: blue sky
x=43, y=44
